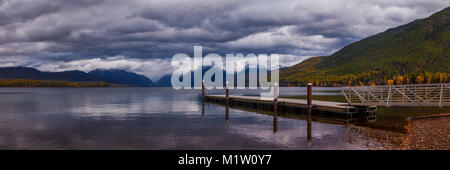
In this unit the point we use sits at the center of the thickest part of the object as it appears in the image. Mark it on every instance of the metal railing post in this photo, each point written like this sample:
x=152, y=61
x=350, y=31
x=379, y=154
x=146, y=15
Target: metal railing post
x=441, y=95
x=389, y=96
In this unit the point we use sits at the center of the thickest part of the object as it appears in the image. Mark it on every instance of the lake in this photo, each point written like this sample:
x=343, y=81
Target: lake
x=153, y=118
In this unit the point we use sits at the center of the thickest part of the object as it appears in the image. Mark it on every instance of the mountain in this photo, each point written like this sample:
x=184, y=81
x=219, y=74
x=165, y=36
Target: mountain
x=114, y=76
x=417, y=52
x=75, y=76
x=122, y=77
x=164, y=81
x=29, y=73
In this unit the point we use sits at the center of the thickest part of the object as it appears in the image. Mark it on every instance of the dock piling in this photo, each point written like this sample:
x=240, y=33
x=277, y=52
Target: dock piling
x=309, y=96
x=275, y=100
x=203, y=90
x=227, y=92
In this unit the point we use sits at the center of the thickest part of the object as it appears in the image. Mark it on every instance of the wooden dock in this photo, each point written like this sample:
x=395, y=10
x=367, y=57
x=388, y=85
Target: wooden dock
x=297, y=106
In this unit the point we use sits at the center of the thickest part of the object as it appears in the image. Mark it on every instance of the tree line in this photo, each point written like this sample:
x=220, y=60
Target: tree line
x=369, y=78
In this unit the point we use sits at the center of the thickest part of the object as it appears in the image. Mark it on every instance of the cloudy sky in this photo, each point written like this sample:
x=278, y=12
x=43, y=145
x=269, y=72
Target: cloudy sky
x=143, y=35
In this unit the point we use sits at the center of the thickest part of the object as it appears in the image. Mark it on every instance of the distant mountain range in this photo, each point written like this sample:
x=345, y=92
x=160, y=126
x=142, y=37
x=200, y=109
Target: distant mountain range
x=29, y=73
x=112, y=76
x=417, y=52
x=116, y=76
x=166, y=80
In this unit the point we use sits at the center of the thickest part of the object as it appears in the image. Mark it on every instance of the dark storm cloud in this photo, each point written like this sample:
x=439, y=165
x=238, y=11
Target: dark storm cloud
x=39, y=32
x=20, y=11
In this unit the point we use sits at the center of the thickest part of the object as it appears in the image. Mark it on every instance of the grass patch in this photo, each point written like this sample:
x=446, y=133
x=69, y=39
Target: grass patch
x=394, y=118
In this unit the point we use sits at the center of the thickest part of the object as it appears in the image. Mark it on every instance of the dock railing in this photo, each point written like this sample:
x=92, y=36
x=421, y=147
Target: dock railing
x=399, y=95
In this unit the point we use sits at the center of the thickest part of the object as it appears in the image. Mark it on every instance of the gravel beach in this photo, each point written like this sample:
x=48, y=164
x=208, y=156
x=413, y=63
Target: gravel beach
x=428, y=133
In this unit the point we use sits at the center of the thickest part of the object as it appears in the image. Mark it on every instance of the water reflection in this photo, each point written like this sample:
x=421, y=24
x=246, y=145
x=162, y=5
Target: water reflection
x=275, y=116
x=275, y=124
x=309, y=130
x=227, y=115
x=146, y=118
x=203, y=109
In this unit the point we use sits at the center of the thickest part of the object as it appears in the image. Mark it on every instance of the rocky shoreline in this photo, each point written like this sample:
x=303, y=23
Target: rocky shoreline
x=428, y=133
x=431, y=132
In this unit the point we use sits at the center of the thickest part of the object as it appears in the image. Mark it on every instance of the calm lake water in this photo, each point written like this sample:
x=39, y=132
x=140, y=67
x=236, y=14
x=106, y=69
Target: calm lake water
x=151, y=118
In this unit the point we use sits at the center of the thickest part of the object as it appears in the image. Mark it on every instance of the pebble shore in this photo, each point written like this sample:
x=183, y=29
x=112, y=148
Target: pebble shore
x=428, y=133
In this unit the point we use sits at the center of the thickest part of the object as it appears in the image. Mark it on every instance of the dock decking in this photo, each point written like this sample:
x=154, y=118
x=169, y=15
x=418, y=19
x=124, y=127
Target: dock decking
x=297, y=105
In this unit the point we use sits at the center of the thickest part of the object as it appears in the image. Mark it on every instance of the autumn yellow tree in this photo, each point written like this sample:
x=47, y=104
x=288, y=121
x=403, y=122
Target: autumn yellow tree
x=419, y=79
x=390, y=82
